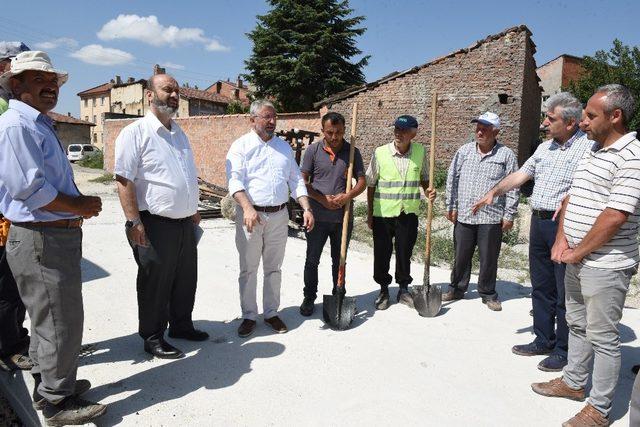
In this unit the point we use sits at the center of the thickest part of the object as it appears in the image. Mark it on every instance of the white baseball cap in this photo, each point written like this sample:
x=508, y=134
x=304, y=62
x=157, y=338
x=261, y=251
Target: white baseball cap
x=488, y=118
x=31, y=60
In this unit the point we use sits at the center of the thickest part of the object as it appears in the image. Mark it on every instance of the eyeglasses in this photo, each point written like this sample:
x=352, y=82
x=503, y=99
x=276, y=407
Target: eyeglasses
x=267, y=118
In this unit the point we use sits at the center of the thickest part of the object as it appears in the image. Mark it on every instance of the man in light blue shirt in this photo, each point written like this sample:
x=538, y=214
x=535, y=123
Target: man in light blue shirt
x=261, y=171
x=44, y=247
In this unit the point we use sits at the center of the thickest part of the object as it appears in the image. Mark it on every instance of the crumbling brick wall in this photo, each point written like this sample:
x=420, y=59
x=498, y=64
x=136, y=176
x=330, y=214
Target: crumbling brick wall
x=211, y=137
x=497, y=74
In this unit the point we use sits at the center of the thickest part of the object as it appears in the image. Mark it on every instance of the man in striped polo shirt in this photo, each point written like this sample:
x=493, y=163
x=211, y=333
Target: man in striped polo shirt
x=394, y=177
x=597, y=240
x=552, y=166
x=477, y=167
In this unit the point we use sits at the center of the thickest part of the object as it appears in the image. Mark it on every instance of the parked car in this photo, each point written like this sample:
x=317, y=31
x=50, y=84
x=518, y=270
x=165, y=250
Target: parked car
x=77, y=152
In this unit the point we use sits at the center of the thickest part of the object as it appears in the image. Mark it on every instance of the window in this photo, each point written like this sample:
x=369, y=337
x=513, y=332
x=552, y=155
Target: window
x=94, y=119
x=89, y=148
x=124, y=111
x=86, y=118
x=102, y=100
x=94, y=102
x=86, y=102
x=138, y=111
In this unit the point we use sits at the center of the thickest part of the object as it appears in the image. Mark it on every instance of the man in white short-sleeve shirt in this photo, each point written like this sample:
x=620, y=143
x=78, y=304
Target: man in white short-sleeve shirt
x=597, y=240
x=158, y=188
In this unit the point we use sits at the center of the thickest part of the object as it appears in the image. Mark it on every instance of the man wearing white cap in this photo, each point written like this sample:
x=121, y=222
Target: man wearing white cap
x=14, y=337
x=475, y=169
x=44, y=248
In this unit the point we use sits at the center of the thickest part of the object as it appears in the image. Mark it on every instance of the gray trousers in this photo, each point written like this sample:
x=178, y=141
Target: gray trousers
x=594, y=301
x=267, y=241
x=46, y=265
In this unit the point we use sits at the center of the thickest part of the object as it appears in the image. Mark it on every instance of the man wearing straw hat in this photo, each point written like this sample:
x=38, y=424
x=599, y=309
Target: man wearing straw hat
x=44, y=248
x=324, y=169
x=396, y=172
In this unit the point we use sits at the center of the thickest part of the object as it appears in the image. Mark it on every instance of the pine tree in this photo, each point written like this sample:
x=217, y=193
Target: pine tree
x=620, y=65
x=303, y=50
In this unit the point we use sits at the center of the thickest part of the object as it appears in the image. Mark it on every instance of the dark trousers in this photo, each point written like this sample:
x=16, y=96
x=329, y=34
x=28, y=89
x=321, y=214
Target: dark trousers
x=547, y=282
x=316, y=239
x=488, y=238
x=167, y=275
x=398, y=232
x=13, y=336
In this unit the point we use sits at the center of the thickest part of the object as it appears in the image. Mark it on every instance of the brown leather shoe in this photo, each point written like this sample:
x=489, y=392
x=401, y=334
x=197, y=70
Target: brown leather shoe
x=494, y=305
x=452, y=296
x=276, y=324
x=558, y=388
x=246, y=328
x=588, y=417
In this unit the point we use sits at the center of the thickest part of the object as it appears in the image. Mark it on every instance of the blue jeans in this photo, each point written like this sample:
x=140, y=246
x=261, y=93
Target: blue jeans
x=316, y=240
x=547, y=282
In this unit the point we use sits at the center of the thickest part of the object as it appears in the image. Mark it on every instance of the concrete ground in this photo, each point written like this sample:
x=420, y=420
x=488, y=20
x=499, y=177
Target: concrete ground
x=391, y=367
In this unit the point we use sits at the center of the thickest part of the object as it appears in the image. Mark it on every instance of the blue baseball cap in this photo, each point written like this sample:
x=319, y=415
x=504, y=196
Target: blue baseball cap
x=406, y=122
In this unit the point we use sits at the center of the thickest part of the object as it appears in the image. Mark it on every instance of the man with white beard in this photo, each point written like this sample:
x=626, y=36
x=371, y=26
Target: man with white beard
x=158, y=188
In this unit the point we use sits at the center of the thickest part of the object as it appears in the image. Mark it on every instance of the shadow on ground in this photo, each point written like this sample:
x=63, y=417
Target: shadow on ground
x=92, y=271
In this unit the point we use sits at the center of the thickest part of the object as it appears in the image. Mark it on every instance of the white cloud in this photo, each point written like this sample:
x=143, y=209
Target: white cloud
x=148, y=30
x=172, y=65
x=99, y=55
x=59, y=42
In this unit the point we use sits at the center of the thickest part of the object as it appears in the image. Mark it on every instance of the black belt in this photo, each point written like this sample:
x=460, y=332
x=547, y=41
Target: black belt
x=148, y=214
x=543, y=214
x=269, y=209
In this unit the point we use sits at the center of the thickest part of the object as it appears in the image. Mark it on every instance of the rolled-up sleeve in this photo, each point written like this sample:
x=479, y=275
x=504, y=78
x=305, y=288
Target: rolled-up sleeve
x=236, y=169
x=127, y=155
x=372, y=172
x=22, y=168
x=295, y=181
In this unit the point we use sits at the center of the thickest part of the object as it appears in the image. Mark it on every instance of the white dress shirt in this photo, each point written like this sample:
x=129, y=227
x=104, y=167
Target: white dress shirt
x=160, y=163
x=266, y=171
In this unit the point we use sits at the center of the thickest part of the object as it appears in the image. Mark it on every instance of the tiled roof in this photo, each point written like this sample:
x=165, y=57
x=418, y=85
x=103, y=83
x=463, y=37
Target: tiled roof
x=191, y=93
x=62, y=118
x=396, y=74
x=103, y=88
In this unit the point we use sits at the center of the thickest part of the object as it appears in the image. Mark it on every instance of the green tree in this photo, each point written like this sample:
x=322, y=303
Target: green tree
x=236, y=107
x=619, y=65
x=303, y=50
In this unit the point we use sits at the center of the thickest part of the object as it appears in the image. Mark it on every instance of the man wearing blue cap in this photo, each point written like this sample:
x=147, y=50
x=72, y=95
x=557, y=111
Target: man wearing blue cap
x=476, y=168
x=394, y=177
x=14, y=338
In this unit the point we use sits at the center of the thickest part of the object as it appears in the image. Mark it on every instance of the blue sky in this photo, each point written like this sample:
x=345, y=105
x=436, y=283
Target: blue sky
x=203, y=41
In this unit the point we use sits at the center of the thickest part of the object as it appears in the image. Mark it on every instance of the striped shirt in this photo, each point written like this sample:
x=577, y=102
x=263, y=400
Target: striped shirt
x=472, y=174
x=401, y=161
x=552, y=167
x=607, y=178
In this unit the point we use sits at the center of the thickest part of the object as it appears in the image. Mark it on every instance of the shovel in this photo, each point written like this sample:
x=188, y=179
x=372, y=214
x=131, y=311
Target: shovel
x=339, y=310
x=427, y=298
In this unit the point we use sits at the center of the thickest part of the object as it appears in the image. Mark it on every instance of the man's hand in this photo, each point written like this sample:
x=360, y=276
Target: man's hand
x=196, y=218
x=452, y=216
x=87, y=206
x=308, y=220
x=559, y=247
x=250, y=218
x=431, y=194
x=328, y=202
x=570, y=257
x=485, y=201
x=340, y=199
x=507, y=225
x=137, y=235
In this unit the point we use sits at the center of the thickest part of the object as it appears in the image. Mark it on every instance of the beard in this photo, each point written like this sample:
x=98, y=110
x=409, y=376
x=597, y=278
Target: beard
x=163, y=107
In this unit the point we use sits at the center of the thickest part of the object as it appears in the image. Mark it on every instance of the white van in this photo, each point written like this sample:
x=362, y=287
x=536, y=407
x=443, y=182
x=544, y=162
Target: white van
x=77, y=152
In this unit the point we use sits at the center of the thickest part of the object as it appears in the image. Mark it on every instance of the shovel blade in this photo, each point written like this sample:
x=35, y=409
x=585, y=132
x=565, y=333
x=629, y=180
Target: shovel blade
x=427, y=299
x=338, y=311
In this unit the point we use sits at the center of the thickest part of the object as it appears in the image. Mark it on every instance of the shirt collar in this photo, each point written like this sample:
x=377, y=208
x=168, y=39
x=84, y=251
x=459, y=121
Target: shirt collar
x=489, y=153
x=396, y=153
x=156, y=124
x=621, y=142
x=577, y=135
x=255, y=134
x=344, y=145
x=25, y=109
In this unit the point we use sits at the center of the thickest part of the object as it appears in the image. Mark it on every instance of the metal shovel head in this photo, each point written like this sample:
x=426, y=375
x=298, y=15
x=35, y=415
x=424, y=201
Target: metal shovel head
x=427, y=299
x=338, y=310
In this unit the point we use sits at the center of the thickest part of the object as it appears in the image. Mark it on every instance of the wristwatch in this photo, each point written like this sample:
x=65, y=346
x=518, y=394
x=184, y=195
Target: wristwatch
x=132, y=223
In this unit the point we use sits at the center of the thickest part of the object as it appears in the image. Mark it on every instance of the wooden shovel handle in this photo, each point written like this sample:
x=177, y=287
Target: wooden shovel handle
x=347, y=206
x=432, y=161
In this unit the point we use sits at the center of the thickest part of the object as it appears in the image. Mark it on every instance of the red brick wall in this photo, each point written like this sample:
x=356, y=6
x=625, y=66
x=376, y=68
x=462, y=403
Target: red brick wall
x=467, y=83
x=211, y=137
x=572, y=70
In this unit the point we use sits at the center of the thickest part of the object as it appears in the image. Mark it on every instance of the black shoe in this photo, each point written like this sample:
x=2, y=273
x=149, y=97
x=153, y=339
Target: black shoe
x=72, y=411
x=162, y=349
x=553, y=363
x=452, y=296
x=306, y=309
x=635, y=369
x=191, y=335
x=404, y=297
x=277, y=324
x=39, y=402
x=382, y=302
x=531, y=349
x=246, y=328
